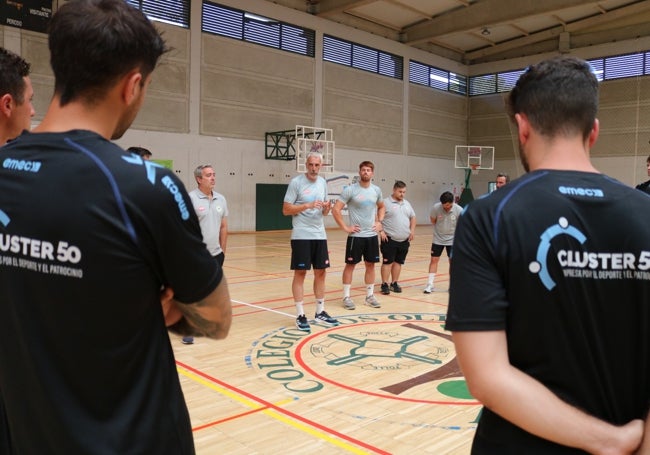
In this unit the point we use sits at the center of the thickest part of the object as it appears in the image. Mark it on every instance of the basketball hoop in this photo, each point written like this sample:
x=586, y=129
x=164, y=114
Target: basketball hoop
x=474, y=168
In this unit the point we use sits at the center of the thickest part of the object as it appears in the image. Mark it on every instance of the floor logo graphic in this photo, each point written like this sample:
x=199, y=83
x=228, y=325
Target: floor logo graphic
x=407, y=357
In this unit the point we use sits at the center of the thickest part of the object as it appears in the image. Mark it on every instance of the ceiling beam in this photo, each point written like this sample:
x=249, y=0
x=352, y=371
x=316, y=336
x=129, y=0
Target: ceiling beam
x=482, y=13
x=553, y=32
x=516, y=43
x=331, y=7
x=625, y=11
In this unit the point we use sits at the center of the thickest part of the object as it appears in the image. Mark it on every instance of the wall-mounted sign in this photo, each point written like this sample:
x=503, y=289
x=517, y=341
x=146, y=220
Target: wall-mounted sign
x=27, y=14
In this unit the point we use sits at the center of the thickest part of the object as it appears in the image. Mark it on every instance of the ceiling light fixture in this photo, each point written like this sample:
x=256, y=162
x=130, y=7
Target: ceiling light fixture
x=485, y=31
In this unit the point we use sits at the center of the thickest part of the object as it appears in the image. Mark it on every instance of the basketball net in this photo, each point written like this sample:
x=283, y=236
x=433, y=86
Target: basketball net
x=474, y=168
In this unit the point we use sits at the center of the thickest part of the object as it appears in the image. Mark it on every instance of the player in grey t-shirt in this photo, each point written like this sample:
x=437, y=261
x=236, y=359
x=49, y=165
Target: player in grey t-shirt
x=366, y=212
x=444, y=216
x=398, y=231
x=306, y=202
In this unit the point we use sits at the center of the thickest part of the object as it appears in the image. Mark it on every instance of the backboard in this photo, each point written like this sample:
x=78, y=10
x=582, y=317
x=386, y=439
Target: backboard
x=474, y=157
x=314, y=139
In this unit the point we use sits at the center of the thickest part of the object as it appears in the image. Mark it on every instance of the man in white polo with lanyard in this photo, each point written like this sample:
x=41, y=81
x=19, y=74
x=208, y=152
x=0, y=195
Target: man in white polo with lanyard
x=212, y=210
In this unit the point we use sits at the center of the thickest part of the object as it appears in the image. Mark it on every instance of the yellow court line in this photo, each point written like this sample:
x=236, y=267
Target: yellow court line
x=272, y=412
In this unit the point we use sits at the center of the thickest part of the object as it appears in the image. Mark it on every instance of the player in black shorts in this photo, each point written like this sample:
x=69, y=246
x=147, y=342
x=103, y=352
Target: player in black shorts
x=398, y=230
x=306, y=202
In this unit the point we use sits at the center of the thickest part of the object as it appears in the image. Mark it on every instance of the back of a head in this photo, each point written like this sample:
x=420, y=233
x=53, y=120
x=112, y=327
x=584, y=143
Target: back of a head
x=559, y=96
x=95, y=42
x=13, y=70
x=141, y=151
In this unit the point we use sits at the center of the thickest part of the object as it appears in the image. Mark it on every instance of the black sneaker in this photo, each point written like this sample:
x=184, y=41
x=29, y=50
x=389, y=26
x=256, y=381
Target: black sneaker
x=326, y=318
x=385, y=289
x=395, y=287
x=302, y=324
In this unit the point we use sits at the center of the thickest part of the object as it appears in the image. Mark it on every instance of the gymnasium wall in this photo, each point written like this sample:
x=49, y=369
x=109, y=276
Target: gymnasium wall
x=212, y=99
x=622, y=147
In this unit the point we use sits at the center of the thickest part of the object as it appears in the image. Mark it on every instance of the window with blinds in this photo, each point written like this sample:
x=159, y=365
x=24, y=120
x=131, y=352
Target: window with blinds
x=354, y=55
x=422, y=74
x=175, y=12
x=606, y=68
x=241, y=25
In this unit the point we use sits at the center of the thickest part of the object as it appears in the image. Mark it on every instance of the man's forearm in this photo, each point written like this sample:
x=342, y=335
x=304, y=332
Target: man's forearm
x=211, y=317
x=529, y=404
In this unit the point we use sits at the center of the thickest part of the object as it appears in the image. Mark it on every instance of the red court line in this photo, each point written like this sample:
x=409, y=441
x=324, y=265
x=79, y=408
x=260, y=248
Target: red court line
x=290, y=414
x=227, y=419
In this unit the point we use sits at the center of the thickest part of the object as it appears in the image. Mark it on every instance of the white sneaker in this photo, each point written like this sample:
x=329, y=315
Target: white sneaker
x=372, y=301
x=428, y=289
x=348, y=304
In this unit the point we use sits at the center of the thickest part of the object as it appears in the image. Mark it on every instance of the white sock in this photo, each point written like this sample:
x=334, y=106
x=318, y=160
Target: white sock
x=299, y=309
x=346, y=290
x=320, y=305
x=432, y=276
x=369, y=289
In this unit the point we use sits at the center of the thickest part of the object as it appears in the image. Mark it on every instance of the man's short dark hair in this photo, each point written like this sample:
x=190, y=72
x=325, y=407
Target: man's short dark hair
x=399, y=184
x=446, y=197
x=559, y=97
x=139, y=151
x=506, y=176
x=13, y=70
x=95, y=42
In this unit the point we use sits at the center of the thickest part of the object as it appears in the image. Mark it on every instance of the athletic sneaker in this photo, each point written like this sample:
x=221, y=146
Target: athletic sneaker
x=385, y=289
x=348, y=304
x=326, y=318
x=395, y=287
x=428, y=289
x=187, y=340
x=372, y=301
x=302, y=324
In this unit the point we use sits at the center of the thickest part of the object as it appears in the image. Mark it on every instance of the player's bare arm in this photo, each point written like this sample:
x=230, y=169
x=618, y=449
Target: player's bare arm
x=211, y=317
x=223, y=234
x=338, y=217
x=413, y=224
x=529, y=404
x=381, y=212
x=289, y=209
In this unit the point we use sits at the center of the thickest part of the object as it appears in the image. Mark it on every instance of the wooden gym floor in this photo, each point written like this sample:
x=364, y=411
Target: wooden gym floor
x=385, y=381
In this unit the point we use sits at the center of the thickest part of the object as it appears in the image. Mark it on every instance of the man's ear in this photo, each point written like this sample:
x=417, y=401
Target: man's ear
x=132, y=87
x=593, y=136
x=523, y=127
x=6, y=104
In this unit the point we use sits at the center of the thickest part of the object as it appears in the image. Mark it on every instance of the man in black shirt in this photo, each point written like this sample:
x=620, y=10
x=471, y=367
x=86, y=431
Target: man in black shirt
x=550, y=289
x=89, y=235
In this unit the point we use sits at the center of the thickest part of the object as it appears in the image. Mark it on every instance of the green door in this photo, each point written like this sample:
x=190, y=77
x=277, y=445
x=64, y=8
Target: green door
x=268, y=207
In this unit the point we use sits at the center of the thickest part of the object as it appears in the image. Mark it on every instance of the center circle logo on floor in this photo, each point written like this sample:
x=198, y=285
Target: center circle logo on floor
x=406, y=356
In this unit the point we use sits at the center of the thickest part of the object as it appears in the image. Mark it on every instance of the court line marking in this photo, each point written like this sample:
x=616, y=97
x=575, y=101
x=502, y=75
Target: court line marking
x=235, y=416
x=290, y=418
x=263, y=308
